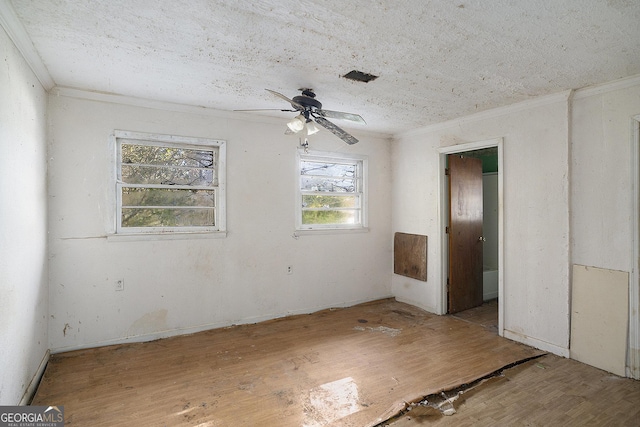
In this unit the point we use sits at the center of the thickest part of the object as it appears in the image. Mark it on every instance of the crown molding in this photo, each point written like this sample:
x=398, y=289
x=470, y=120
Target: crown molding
x=611, y=86
x=133, y=101
x=17, y=33
x=180, y=108
x=564, y=96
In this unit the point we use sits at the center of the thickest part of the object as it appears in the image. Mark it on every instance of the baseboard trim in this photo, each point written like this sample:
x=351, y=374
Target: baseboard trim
x=489, y=296
x=200, y=328
x=30, y=392
x=536, y=343
x=417, y=304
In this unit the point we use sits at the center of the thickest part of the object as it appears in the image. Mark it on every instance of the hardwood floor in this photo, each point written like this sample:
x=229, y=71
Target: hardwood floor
x=485, y=315
x=547, y=391
x=355, y=366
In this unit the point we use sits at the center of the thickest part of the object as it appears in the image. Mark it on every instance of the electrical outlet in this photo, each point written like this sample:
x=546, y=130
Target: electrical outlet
x=289, y=269
x=119, y=285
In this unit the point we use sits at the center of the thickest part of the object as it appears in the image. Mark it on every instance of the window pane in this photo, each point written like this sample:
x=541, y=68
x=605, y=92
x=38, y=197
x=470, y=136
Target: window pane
x=328, y=169
x=331, y=191
x=166, y=197
x=169, y=182
x=155, y=155
x=142, y=217
x=327, y=202
x=331, y=217
x=133, y=174
x=308, y=183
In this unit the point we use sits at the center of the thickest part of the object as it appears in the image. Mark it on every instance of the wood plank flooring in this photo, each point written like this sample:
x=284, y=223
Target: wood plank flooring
x=355, y=366
x=485, y=315
x=547, y=391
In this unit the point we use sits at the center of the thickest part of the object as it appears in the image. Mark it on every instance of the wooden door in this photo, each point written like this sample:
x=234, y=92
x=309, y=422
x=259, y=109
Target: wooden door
x=465, y=233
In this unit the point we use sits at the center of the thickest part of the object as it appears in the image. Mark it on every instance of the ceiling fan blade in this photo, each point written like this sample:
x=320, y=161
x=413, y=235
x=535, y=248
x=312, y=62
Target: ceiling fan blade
x=290, y=101
x=342, y=116
x=267, y=109
x=340, y=133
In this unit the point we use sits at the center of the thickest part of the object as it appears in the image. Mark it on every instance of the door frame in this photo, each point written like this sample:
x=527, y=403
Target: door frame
x=633, y=348
x=443, y=215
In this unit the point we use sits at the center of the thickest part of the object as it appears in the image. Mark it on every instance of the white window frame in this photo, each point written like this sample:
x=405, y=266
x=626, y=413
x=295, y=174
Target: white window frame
x=172, y=141
x=362, y=190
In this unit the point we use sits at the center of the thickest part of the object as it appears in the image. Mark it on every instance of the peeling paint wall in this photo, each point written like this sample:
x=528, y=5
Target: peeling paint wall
x=23, y=221
x=178, y=286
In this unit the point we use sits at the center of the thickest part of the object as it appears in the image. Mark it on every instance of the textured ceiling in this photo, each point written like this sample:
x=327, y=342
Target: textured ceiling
x=436, y=60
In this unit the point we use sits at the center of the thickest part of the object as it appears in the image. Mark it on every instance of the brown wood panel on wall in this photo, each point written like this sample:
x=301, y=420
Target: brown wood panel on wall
x=410, y=255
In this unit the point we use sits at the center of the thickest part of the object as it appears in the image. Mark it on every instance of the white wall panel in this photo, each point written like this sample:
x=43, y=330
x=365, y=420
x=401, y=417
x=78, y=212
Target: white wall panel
x=602, y=190
x=23, y=226
x=599, y=317
x=601, y=177
x=175, y=286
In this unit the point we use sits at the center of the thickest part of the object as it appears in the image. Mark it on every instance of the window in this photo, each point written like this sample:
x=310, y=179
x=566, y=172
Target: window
x=331, y=191
x=169, y=184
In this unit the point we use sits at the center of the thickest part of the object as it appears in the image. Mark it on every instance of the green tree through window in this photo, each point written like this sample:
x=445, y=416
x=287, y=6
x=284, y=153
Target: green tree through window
x=164, y=186
x=331, y=191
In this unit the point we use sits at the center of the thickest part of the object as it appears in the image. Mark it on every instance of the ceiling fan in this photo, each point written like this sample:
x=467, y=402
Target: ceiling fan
x=311, y=111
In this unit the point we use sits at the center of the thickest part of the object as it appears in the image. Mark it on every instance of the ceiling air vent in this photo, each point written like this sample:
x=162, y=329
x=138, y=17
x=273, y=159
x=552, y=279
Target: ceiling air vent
x=359, y=76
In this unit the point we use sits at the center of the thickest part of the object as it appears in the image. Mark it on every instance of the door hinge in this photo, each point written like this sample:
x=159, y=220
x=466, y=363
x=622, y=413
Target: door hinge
x=446, y=230
x=447, y=284
x=446, y=171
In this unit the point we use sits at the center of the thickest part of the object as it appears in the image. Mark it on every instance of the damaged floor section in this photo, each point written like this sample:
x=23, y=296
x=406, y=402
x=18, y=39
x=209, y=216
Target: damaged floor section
x=356, y=366
x=544, y=391
x=443, y=404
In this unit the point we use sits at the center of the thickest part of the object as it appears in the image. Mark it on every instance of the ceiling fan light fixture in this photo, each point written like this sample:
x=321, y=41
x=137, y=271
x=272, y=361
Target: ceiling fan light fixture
x=311, y=113
x=297, y=124
x=312, y=128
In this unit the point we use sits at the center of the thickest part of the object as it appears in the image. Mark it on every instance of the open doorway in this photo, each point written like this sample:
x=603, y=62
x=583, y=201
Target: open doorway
x=485, y=306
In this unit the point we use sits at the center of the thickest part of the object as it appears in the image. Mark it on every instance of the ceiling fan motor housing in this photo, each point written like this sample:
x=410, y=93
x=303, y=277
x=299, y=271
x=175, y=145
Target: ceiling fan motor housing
x=311, y=110
x=307, y=102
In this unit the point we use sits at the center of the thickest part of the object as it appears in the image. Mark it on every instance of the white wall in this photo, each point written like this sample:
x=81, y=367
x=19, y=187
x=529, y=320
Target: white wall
x=602, y=192
x=490, y=220
x=601, y=177
x=23, y=234
x=174, y=286
x=490, y=231
x=536, y=213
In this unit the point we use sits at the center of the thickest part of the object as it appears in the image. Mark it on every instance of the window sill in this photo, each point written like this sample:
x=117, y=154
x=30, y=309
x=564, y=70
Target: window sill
x=165, y=236
x=308, y=232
